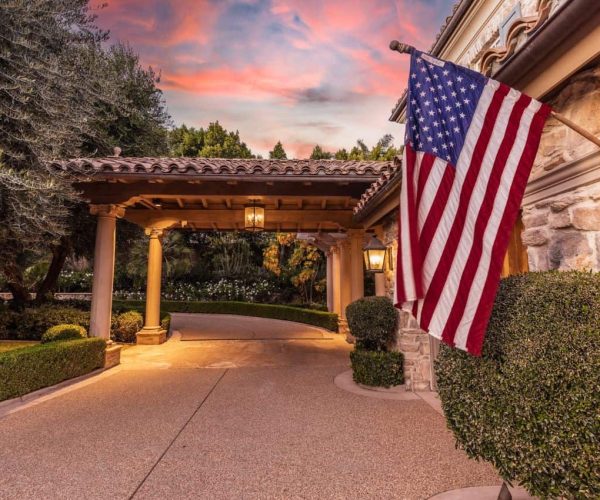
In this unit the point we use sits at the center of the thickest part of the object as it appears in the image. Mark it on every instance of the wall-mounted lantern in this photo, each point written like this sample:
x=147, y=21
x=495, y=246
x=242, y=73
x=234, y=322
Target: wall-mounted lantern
x=254, y=217
x=374, y=253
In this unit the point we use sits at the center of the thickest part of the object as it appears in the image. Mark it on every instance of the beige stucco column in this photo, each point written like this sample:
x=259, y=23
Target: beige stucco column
x=152, y=333
x=329, y=275
x=104, y=268
x=357, y=276
x=380, y=277
x=345, y=276
x=335, y=280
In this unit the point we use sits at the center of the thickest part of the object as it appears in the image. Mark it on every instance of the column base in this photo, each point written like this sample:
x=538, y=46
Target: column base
x=112, y=356
x=151, y=336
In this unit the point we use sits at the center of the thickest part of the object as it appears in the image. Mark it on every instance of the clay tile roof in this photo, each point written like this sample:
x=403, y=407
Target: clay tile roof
x=214, y=167
x=387, y=180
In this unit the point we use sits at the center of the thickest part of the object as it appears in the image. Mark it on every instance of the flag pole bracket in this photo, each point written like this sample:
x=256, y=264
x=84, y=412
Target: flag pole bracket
x=403, y=48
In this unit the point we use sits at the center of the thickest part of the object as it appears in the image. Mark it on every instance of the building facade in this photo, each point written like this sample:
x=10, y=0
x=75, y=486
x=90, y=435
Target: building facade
x=549, y=49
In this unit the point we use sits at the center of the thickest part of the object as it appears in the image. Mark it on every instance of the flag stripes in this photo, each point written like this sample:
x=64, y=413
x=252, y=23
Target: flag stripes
x=455, y=221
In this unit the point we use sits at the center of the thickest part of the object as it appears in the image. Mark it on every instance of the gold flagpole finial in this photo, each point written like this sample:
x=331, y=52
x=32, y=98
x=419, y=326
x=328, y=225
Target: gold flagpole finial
x=403, y=48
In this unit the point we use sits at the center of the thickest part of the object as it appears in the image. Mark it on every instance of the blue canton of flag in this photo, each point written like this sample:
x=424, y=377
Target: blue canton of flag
x=442, y=98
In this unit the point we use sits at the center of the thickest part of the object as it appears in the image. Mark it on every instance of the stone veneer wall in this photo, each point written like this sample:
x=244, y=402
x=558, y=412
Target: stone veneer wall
x=411, y=341
x=562, y=231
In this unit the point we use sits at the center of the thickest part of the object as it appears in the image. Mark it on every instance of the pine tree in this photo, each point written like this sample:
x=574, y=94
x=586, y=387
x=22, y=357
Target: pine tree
x=278, y=152
x=319, y=154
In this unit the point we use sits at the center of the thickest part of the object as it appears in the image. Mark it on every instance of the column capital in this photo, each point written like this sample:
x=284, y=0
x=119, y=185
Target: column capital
x=113, y=211
x=154, y=232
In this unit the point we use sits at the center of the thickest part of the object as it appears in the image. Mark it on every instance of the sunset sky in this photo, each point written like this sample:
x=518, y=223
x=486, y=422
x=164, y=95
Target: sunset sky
x=300, y=71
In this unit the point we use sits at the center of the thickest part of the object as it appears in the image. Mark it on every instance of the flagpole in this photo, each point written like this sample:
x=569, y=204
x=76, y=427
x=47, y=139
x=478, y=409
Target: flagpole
x=404, y=48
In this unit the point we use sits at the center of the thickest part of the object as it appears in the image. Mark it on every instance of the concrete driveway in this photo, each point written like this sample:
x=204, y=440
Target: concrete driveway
x=229, y=419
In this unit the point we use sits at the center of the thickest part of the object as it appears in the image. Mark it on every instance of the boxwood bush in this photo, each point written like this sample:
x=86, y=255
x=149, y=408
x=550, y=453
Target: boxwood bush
x=64, y=332
x=377, y=368
x=372, y=321
x=322, y=319
x=529, y=404
x=31, y=368
x=126, y=325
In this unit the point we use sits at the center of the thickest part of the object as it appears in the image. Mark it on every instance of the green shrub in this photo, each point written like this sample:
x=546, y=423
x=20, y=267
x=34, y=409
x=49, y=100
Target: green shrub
x=373, y=321
x=64, y=332
x=326, y=320
x=377, y=368
x=31, y=368
x=530, y=404
x=126, y=325
x=165, y=323
x=32, y=322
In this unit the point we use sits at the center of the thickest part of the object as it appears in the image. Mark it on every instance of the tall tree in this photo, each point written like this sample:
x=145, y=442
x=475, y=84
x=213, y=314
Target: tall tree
x=212, y=142
x=319, y=154
x=278, y=152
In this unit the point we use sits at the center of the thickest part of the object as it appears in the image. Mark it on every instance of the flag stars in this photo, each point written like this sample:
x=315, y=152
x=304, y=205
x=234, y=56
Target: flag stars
x=413, y=76
x=463, y=90
x=473, y=86
x=459, y=78
x=429, y=139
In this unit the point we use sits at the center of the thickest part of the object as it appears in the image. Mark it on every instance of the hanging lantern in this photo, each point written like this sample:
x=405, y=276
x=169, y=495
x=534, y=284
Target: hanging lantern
x=374, y=253
x=254, y=217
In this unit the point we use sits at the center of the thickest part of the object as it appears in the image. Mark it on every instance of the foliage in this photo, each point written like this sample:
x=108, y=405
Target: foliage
x=31, y=368
x=62, y=95
x=373, y=321
x=165, y=323
x=322, y=319
x=319, y=154
x=64, y=332
x=298, y=262
x=377, y=368
x=212, y=142
x=383, y=150
x=32, y=322
x=278, y=152
x=529, y=404
x=75, y=281
x=125, y=325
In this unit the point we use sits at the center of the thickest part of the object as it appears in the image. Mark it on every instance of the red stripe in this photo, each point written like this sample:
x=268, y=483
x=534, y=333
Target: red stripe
x=486, y=302
x=483, y=217
x=413, y=233
x=424, y=171
x=441, y=272
x=437, y=209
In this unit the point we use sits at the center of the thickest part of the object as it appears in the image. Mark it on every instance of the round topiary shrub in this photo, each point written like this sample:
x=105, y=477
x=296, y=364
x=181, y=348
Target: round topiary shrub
x=529, y=404
x=64, y=332
x=126, y=325
x=372, y=321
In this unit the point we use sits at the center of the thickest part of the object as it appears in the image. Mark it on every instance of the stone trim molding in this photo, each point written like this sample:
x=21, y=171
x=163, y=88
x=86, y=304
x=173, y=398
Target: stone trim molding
x=564, y=178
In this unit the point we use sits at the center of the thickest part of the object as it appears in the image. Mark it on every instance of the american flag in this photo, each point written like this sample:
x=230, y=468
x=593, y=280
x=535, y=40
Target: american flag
x=469, y=147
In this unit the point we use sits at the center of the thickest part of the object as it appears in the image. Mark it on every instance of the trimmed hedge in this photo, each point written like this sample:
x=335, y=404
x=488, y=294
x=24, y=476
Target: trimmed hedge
x=31, y=368
x=126, y=325
x=529, y=404
x=373, y=321
x=322, y=319
x=377, y=368
x=64, y=332
x=32, y=323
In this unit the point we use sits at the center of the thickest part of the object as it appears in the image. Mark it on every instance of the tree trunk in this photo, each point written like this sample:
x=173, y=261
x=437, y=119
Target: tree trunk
x=16, y=286
x=59, y=256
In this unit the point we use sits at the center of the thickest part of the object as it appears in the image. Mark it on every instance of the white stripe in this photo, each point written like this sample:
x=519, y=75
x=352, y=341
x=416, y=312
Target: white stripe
x=443, y=229
x=493, y=224
x=430, y=190
x=407, y=276
x=448, y=295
